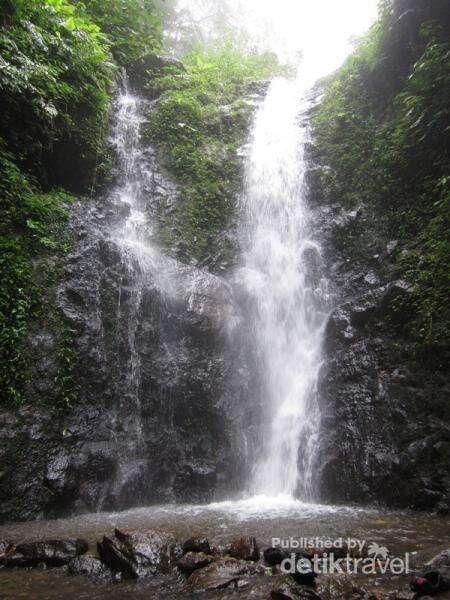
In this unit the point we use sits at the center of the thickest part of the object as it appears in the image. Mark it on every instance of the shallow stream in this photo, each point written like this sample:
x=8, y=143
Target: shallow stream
x=421, y=535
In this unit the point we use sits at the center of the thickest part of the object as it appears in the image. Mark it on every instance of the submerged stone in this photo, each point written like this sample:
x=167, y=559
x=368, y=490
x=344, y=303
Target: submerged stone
x=52, y=553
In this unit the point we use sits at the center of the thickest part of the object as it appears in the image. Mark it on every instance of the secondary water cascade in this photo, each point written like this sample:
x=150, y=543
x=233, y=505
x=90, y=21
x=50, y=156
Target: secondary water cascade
x=281, y=273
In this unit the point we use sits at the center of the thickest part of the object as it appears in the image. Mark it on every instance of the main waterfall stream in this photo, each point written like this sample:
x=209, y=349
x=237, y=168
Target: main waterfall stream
x=281, y=274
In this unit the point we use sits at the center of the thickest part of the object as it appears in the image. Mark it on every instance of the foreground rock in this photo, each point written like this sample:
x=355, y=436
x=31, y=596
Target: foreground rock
x=284, y=588
x=192, y=561
x=223, y=573
x=138, y=554
x=244, y=548
x=92, y=568
x=5, y=547
x=440, y=560
x=197, y=544
x=52, y=553
x=274, y=556
x=435, y=576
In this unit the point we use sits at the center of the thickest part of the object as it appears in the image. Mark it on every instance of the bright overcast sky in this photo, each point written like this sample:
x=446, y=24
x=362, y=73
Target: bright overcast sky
x=321, y=29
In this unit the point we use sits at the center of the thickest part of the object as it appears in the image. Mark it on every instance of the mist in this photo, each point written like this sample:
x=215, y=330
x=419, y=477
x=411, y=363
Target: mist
x=320, y=32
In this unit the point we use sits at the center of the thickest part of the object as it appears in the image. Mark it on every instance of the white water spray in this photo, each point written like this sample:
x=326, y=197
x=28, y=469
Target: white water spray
x=281, y=275
x=134, y=194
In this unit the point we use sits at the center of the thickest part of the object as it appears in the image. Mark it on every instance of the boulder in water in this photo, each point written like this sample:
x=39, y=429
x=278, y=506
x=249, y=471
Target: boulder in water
x=197, y=544
x=138, y=554
x=52, y=553
x=274, y=556
x=244, y=548
x=284, y=588
x=440, y=560
x=220, y=574
x=305, y=578
x=5, y=547
x=92, y=568
x=431, y=582
x=192, y=561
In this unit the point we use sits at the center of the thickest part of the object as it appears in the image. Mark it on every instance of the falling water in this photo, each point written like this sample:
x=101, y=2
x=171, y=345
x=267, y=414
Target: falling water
x=144, y=271
x=135, y=167
x=281, y=275
x=138, y=187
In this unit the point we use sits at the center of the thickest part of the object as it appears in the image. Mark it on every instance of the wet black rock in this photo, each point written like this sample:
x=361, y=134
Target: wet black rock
x=222, y=573
x=197, y=544
x=284, y=588
x=144, y=69
x=374, y=404
x=193, y=482
x=52, y=553
x=139, y=554
x=440, y=560
x=5, y=547
x=431, y=582
x=92, y=568
x=308, y=578
x=274, y=556
x=111, y=452
x=382, y=394
x=381, y=411
x=192, y=561
x=244, y=548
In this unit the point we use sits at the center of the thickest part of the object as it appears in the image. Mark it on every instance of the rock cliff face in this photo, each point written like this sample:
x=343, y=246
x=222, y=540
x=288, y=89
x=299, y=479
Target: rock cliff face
x=167, y=407
x=160, y=408
x=384, y=385
x=384, y=413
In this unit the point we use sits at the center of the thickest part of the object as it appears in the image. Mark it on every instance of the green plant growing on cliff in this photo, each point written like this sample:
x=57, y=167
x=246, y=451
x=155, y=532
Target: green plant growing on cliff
x=33, y=225
x=54, y=80
x=132, y=28
x=56, y=76
x=200, y=122
x=382, y=131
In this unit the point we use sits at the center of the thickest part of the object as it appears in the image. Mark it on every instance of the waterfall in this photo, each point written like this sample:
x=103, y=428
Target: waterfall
x=281, y=276
x=134, y=233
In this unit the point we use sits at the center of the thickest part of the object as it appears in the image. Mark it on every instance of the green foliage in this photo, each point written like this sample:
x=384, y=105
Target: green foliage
x=54, y=82
x=56, y=73
x=386, y=146
x=199, y=124
x=32, y=227
x=54, y=79
x=132, y=27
